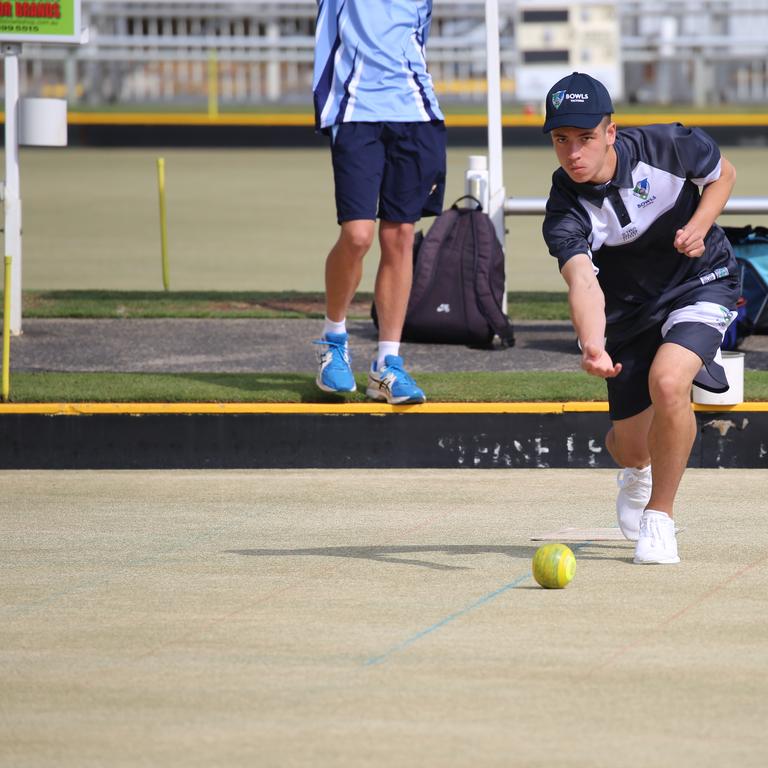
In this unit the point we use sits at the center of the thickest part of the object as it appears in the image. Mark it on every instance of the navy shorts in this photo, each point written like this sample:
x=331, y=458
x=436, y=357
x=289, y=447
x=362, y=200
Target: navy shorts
x=697, y=327
x=390, y=171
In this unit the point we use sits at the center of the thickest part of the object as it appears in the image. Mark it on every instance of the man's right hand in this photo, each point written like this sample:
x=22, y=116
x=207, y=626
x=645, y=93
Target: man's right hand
x=597, y=362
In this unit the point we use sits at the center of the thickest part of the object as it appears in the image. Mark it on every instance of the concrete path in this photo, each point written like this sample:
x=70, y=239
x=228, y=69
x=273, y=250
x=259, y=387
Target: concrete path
x=267, y=346
x=277, y=346
x=349, y=618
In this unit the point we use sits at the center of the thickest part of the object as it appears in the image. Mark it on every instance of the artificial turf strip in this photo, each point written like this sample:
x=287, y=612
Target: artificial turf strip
x=160, y=304
x=534, y=305
x=522, y=386
x=291, y=387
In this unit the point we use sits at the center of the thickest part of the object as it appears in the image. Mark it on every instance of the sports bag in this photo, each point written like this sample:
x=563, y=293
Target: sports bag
x=458, y=282
x=750, y=246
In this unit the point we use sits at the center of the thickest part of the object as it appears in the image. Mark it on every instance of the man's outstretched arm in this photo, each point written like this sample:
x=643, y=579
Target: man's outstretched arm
x=587, y=304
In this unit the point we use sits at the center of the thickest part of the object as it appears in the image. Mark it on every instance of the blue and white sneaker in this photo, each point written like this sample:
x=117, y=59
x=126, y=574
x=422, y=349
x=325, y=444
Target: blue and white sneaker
x=335, y=372
x=393, y=384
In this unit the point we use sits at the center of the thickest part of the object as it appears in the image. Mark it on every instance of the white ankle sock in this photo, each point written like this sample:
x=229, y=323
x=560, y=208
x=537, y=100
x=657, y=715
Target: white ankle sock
x=386, y=348
x=331, y=326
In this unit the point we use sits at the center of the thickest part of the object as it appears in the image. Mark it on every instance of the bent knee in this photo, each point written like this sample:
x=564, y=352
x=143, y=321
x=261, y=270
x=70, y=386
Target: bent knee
x=669, y=389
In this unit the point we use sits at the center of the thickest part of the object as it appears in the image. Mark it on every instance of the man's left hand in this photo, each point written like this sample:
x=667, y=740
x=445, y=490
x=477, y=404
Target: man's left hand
x=690, y=241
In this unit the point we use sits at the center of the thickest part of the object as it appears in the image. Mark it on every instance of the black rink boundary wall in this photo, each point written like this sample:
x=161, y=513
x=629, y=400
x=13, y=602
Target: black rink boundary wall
x=322, y=440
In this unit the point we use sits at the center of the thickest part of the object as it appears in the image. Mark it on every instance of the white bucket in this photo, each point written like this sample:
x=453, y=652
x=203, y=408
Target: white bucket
x=733, y=364
x=43, y=122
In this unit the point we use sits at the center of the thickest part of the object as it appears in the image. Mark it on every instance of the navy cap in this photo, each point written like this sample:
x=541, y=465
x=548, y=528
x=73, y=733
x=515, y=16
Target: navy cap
x=577, y=101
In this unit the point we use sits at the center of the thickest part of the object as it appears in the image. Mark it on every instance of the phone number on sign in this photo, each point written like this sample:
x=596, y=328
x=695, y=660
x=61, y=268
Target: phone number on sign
x=19, y=28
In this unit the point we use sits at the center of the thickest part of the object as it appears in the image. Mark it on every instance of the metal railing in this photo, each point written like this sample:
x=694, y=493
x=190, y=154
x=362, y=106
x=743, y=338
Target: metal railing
x=535, y=206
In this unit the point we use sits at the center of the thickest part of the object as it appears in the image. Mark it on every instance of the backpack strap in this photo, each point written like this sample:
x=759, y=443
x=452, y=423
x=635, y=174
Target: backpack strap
x=759, y=234
x=425, y=266
x=478, y=204
x=488, y=304
x=746, y=234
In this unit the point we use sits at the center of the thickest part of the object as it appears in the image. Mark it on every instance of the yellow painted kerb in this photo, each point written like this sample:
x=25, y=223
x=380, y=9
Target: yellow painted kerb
x=350, y=409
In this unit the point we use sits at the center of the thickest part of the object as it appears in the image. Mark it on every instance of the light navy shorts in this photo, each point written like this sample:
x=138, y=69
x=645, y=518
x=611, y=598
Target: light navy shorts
x=390, y=171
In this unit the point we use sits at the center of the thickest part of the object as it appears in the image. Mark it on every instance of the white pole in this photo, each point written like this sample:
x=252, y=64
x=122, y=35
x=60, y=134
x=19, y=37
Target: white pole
x=537, y=206
x=273, y=65
x=11, y=190
x=496, y=192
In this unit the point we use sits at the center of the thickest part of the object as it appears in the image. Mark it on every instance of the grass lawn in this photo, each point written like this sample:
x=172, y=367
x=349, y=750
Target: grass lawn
x=292, y=387
x=519, y=386
x=527, y=305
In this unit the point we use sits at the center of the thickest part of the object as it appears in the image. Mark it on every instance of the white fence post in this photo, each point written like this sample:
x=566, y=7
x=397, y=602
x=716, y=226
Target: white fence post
x=11, y=187
x=496, y=192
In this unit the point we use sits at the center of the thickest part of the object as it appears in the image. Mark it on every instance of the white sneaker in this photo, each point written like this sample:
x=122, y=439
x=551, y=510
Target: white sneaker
x=657, y=542
x=634, y=493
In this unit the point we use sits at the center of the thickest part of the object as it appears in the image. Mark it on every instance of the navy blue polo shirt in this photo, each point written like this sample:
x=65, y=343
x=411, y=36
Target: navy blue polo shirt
x=628, y=226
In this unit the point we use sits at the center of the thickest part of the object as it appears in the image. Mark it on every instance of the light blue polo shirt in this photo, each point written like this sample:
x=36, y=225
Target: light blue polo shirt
x=370, y=63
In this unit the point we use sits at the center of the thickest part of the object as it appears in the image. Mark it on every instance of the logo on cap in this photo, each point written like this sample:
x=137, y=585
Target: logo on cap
x=557, y=99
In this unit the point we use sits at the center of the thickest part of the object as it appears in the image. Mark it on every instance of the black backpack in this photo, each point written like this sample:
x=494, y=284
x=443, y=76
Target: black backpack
x=458, y=282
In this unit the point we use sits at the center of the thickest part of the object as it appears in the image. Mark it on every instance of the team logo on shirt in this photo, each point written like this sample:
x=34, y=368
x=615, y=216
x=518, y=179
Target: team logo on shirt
x=643, y=191
x=557, y=99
